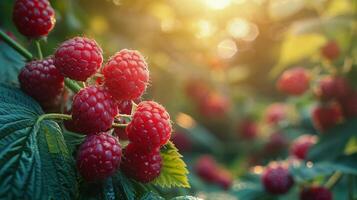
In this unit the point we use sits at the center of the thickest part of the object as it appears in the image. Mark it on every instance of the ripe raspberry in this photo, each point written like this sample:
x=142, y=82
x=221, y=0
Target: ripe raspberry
x=315, y=193
x=214, y=105
x=99, y=157
x=327, y=116
x=275, y=113
x=206, y=168
x=197, y=89
x=224, y=178
x=333, y=88
x=294, y=81
x=331, y=50
x=78, y=58
x=248, y=129
x=349, y=105
x=41, y=80
x=143, y=167
x=182, y=142
x=301, y=146
x=276, y=143
x=126, y=75
x=93, y=110
x=276, y=178
x=33, y=18
x=150, y=127
x=124, y=107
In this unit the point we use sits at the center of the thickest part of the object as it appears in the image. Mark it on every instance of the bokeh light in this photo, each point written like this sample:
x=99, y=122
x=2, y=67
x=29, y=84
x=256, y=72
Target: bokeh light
x=227, y=48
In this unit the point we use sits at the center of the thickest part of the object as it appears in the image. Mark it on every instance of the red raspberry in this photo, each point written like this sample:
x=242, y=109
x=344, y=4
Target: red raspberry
x=315, y=193
x=126, y=75
x=333, y=88
x=248, y=129
x=78, y=58
x=294, y=81
x=182, y=142
x=224, y=178
x=276, y=178
x=143, y=167
x=41, y=80
x=327, y=116
x=214, y=105
x=349, y=105
x=93, y=110
x=276, y=143
x=197, y=89
x=331, y=50
x=301, y=146
x=33, y=18
x=206, y=168
x=275, y=113
x=99, y=157
x=150, y=127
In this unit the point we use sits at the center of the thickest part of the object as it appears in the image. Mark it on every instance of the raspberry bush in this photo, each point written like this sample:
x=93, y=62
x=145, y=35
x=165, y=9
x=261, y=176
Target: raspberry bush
x=178, y=100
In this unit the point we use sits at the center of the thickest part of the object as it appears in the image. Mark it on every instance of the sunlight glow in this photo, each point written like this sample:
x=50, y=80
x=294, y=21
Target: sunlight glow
x=204, y=29
x=185, y=120
x=242, y=29
x=227, y=48
x=216, y=4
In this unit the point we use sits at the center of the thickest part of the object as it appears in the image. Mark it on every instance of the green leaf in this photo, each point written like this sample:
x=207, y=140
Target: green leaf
x=34, y=160
x=249, y=190
x=11, y=63
x=126, y=186
x=173, y=171
x=73, y=140
x=344, y=164
x=332, y=143
x=151, y=196
x=307, y=44
x=186, y=198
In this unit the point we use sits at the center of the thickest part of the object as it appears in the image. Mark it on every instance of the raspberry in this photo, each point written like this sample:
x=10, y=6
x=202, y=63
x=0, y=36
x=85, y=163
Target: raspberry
x=301, y=146
x=224, y=178
x=294, y=81
x=33, y=18
x=78, y=58
x=276, y=178
x=331, y=50
x=150, y=127
x=206, y=168
x=276, y=143
x=333, y=88
x=143, y=167
x=182, y=142
x=41, y=80
x=214, y=105
x=275, y=113
x=196, y=89
x=98, y=157
x=126, y=75
x=349, y=105
x=93, y=110
x=315, y=193
x=327, y=116
x=248, y=129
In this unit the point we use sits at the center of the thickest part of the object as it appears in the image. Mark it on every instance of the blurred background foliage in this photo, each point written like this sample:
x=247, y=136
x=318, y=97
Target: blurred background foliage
x=235, y=49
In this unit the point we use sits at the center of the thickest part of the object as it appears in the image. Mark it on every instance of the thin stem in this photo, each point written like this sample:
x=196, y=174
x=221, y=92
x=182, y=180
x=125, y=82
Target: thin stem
x=54, y=116
x=333, y=180
x=39, y=51
x=124, y=115
x=72, y=85
x=11, y=42
x=115, y=125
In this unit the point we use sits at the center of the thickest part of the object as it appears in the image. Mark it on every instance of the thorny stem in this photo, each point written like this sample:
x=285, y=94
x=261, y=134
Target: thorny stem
x=39, y=51
x=15, y=45
x=333, y=180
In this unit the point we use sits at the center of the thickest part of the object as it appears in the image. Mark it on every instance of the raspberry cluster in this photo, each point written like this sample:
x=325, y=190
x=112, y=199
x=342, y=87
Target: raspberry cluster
x=122, y=81
x=149, y=129
x=209, y=171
